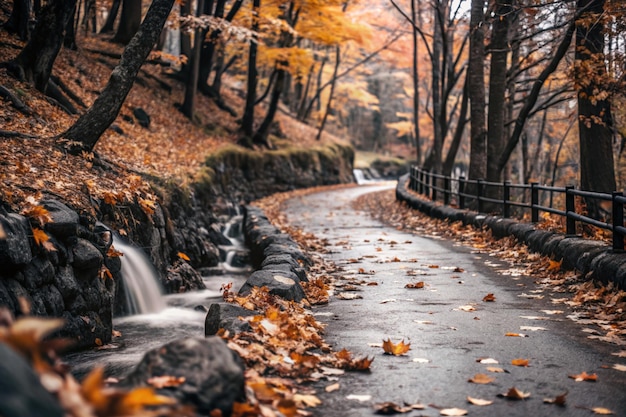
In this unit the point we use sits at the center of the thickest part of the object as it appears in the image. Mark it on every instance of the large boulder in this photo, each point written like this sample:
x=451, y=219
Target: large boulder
x=213, y=373
x=21, y=392
x=64, y=220
x=281, y=284
x=15, y=247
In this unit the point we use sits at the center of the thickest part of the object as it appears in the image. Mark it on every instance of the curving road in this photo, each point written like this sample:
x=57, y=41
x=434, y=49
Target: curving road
x=446, y=341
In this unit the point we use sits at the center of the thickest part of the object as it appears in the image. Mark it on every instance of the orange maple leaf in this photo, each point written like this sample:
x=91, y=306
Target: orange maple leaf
x=40, y=236
x=520, y=362
x=400, y=349
x=584, y=376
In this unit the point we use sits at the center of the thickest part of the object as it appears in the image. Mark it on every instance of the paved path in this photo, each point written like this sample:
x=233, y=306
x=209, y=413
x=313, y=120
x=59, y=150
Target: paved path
x=449, y=338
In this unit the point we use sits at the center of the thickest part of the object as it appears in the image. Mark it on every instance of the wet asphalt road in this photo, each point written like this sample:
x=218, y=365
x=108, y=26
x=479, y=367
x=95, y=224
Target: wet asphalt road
x=448, y=338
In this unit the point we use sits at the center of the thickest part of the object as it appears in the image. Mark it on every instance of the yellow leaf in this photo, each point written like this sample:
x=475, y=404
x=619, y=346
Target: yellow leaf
x=140, y=398
x=515, y=335
x=38, y=213
x=306, y=400
x=183, y=256
x=400, y=349
x=332, y=387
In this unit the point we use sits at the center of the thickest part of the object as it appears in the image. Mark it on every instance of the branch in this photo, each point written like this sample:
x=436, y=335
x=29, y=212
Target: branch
x=534, y=94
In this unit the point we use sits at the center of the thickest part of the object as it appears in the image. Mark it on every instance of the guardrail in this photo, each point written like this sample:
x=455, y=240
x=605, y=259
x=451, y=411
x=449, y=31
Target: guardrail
x=504, y=197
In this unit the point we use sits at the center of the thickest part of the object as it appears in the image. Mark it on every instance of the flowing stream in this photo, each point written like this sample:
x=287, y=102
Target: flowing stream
x=158, y=318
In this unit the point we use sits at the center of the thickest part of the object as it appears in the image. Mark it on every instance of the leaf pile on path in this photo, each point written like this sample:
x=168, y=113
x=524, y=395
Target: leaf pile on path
x=284, y=349
x=593, y=302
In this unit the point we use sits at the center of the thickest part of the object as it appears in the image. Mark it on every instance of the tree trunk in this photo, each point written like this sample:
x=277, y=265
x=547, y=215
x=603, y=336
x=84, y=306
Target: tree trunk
x=332, y=92
x=260, y=137
x=434, y=158
x=188, y=107
x=110, y=22
x=69, y=40
x=476, y=89
x=129, y=21
x=448, y=163
x=34, y=62
x=497, y=87
x=18, y=21
x=247, y=123
x=416, y=94
x=594, y=113
x=85, y=133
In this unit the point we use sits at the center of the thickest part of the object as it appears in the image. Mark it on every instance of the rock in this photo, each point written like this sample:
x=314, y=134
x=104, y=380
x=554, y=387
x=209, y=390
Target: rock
x=182, y=277
x=15, y=247
x=142, y=117
x=64, y=220
x=278, y=283
x=21, y=393
x=86, y=256
x=226, y=316
x=213, y=373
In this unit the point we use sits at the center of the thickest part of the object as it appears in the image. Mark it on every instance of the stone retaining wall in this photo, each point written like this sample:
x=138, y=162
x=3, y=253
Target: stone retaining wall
x=594, y=259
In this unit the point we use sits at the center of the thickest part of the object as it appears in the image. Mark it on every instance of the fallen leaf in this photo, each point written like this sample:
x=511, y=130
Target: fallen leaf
x=399, y=349
x=415, y=285
x=496, y=370
x=533, y=328
x=458, y=269
x=489, y=361
x=183, y=256
x=453, y=412
x=601, y=410
x=584, y=376
x=388, y=300
x=433, y=266
x=388, y=408
x=420, y=360
x=360, y=398
x=489, y=297
x=467, y=308
x=558, y=400
x=555, y=265
x=349, y=296
x=552, y=312
x=515, y=394
x=481, y=379
x=332, y=387
x=619, y=367
x=165, y=381
x=306, y=400
x=520, y=362
x=515, y=335
x=478, y=401
x=620, y=354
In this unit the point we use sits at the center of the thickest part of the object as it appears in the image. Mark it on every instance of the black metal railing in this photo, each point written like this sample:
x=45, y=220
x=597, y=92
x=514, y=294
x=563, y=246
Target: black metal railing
x=509, y=199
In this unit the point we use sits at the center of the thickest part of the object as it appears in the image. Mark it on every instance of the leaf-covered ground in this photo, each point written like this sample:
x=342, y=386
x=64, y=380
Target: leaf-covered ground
x=172, y=147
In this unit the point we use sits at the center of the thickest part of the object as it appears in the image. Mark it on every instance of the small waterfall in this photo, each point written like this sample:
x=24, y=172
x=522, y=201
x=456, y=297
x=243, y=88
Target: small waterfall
x=359, y=177
x=140, y=280
x=235, y=255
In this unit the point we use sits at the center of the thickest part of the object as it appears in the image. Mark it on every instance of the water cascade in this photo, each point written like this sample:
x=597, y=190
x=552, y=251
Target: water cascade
x=235, y=255
x=141, y=281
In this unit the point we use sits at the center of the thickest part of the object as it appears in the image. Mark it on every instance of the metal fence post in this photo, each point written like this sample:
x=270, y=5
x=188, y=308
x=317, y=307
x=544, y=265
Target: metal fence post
x=446, y=192
x=570, y=206
x=426, y=183
x=506, y=196
x=420, y=188
x=434, y=183
x=618, y=220
x=534, y=202
x=479, y=194
x=461, y=196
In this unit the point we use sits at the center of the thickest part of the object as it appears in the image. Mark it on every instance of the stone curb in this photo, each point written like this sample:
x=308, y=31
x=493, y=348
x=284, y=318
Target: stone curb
x=594, y=259
x=281, y=265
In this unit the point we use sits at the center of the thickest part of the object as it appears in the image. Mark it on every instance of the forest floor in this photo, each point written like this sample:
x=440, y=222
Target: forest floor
x=172, y=147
